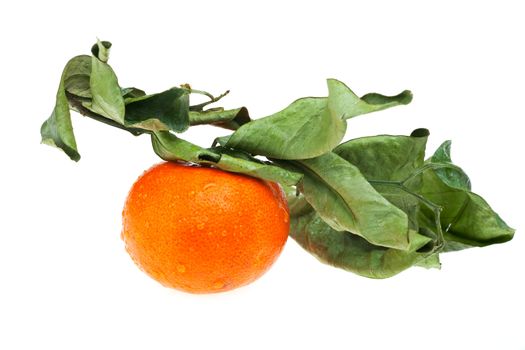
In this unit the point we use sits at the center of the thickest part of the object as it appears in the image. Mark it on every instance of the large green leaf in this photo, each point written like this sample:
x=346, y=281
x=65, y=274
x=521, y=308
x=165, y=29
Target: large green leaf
x=167, y=110
x=467, y=219
x=106, y=95
x=353, y=253
x=346, y=201
x=57, y=130
x=310, y=126
x=171, y=148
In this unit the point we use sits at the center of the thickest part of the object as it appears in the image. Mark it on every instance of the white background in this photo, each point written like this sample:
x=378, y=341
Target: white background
x=66, y=281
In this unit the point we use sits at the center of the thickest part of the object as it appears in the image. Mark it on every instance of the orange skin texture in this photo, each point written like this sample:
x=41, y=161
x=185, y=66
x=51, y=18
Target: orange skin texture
x=204, y=230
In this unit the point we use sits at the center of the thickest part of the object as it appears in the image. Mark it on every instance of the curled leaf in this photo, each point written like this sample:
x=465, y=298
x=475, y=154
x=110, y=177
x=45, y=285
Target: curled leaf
x=167, y=110
x=106, y=94
x=77, y=78
x=229, y=119
x=467, y=219
x=132, y=92
x=57, y=130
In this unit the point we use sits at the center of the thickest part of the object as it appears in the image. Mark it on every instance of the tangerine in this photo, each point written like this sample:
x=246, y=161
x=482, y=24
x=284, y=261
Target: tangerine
x=201, y=229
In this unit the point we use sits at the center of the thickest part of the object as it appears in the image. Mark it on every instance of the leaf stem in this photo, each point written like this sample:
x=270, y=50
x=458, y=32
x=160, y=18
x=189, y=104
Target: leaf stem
x=212, y=98
x=76, y=104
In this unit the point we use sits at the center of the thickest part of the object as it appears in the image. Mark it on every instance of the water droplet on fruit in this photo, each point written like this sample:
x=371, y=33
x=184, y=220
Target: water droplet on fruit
x=181, y=268
x=218, y=284
x=200, y=225
x=224, y=233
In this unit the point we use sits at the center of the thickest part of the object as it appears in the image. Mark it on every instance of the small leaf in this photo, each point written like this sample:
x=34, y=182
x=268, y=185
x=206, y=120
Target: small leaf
x=230, y=119
x=221, y=140
x=57, y=130
x=167, y=110
x=372, y=102
x=310, y=126
x=171, y=148
x=106, y=94
x=101, y=50
x=382, y=101
x=132, y=93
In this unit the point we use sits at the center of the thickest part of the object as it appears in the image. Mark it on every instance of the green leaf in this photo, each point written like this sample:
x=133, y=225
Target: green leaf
x=106, y=94
x=382, y=101
x=78, y=75
x=229, y=119
x=437, y=190
x=310, y=126
x=467, y=219
x=391, y=163
x=101, y=50
x=346, y=201
x=171, y=148
x=387, y=157
x=452, y=175
x=431, y=261
x=353, y=253
x=167, y=110
x=57, y=130
x=131, y=92
x=221, y=140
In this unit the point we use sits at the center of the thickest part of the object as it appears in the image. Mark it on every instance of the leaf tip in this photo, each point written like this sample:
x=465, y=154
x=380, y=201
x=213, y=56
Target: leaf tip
x=420, y=132
x=101, y=50
x=405, y=97
x=443, y=151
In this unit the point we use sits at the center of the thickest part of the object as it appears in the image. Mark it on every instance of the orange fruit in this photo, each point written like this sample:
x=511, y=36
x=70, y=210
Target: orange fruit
x=201, y=229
